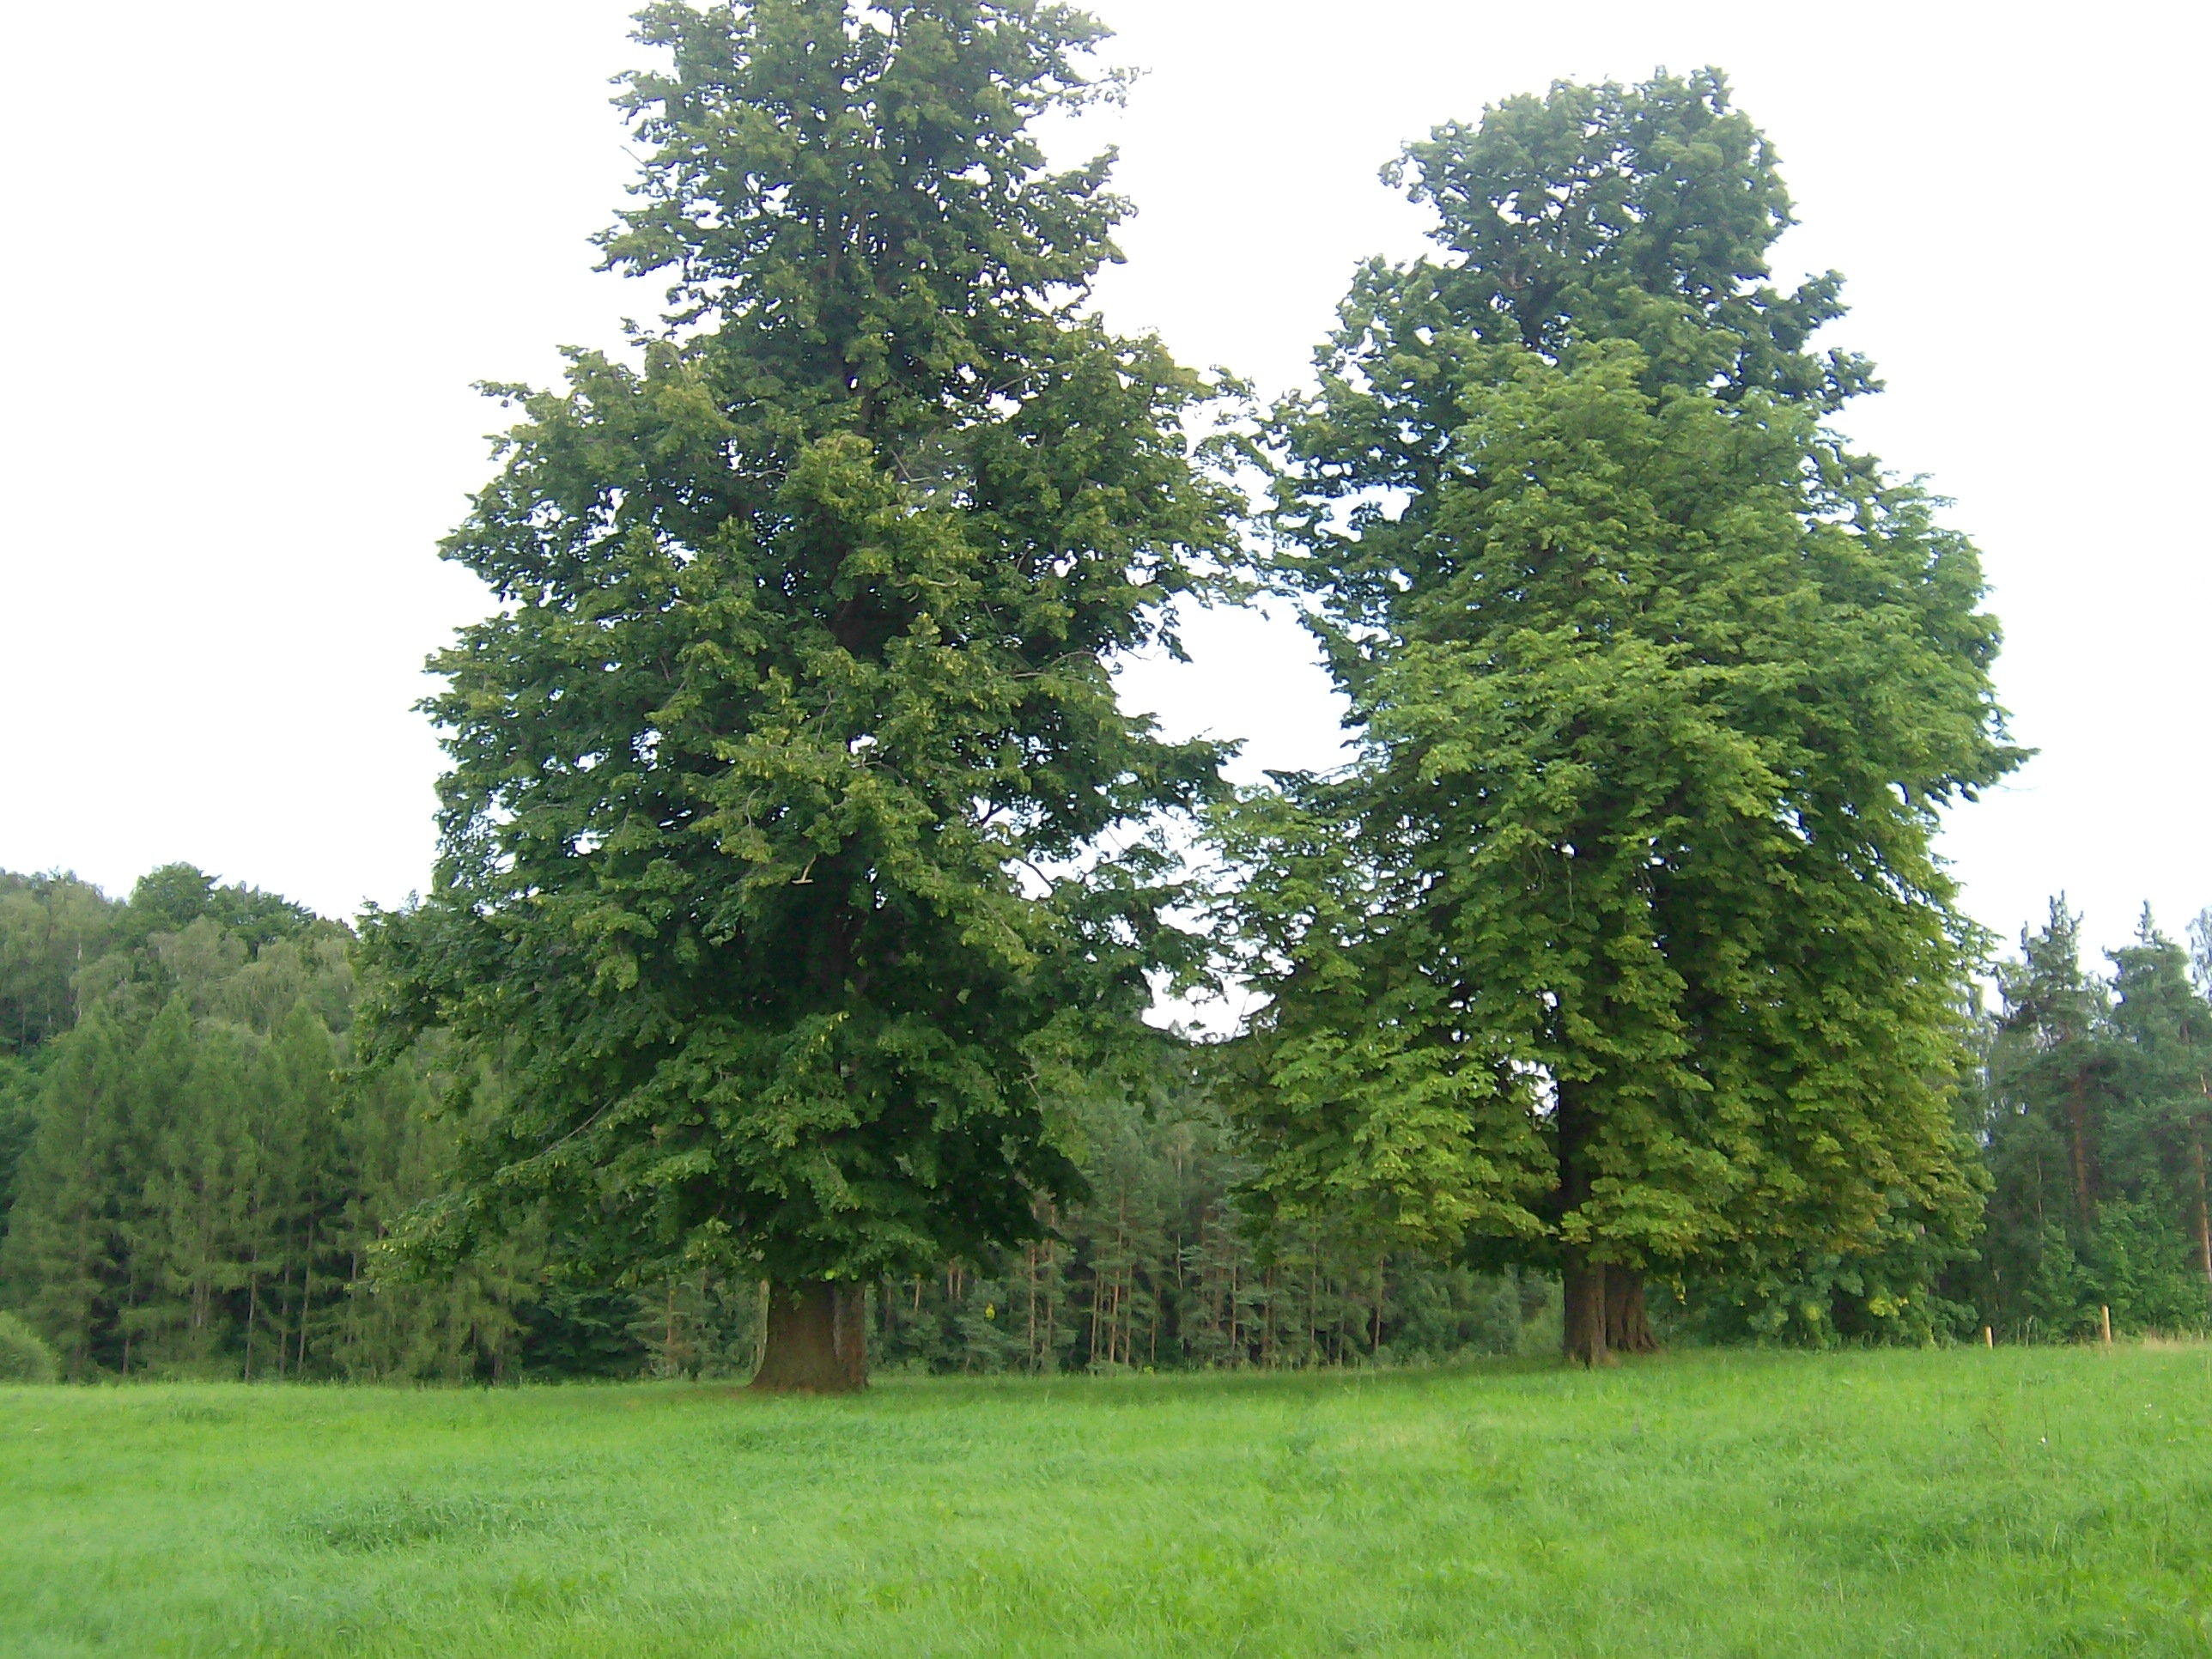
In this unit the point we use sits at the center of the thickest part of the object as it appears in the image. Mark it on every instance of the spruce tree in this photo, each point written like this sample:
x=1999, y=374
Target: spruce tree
x=2095, y=1121
x=2155, y=1242
x=2055, y=1065
x=73, y=1261
x=1621, y=944
x=776, y=774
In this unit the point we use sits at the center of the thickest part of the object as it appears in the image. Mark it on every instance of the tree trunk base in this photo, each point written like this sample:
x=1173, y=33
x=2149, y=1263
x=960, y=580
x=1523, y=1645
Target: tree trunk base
x=1582, y=1334
x=1626, y=1330
x=817, y=1340
x=1605, y=1313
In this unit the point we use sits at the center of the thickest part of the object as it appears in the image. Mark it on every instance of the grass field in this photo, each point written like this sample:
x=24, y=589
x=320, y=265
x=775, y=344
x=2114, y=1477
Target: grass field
x=2020, y=1501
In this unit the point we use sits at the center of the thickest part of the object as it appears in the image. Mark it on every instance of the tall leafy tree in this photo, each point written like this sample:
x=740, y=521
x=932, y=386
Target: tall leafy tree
x=775, y=774
x=1621, y=943
x=1603, y=212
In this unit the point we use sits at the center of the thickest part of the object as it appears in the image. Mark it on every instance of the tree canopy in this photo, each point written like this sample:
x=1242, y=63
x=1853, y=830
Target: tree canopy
x=777, y=774
x=1621, y=942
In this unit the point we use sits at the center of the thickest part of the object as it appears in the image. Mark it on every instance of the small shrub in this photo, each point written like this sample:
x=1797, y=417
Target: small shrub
x=24, y=1355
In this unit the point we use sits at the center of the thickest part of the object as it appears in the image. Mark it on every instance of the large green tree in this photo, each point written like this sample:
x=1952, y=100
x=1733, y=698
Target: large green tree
x=779, y=775
x=1621, y=945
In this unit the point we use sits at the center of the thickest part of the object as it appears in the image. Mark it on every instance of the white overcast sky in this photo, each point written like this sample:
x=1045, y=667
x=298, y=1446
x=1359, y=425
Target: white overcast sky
x=258, y=253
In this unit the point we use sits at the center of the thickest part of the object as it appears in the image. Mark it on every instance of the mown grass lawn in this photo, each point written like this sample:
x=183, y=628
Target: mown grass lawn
x=1972, y=1503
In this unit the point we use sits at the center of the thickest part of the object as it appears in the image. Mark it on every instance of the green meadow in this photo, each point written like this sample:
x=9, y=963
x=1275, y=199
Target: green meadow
x=2024, y=1501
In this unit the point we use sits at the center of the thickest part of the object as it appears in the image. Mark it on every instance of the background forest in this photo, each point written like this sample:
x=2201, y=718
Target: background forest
x=200, y=1178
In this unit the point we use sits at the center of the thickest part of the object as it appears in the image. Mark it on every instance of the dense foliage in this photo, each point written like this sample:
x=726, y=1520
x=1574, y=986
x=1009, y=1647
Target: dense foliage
x=1621, y=945
x=208, y=1176
x=2099, y=1105
x=25, y=1356
x=200, y=1178
x=777, y=772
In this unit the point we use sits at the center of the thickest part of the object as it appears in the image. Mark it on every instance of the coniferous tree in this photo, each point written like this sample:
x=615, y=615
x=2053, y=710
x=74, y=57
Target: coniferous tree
x=49, y=926
x=2189, y=1088
x=19, y=1121
x=799, y=675
x=65, y=1247
x=2158, y=1151
x=2096, y=1117
x=2055, y=1049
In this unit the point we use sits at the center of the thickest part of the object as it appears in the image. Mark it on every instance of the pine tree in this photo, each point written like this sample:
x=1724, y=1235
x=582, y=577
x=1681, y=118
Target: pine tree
x=2095, y=1115
x=69, y=1263
x=193, y=1188
x=2055, y=1066
x=2154, y=1236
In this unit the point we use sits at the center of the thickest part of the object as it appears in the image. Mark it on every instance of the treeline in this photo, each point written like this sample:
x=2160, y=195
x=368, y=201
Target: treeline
x=1161, y=1267
x=197, y=1177
x=201, y=1179
x=2099, y=1108
x=2088, y=1117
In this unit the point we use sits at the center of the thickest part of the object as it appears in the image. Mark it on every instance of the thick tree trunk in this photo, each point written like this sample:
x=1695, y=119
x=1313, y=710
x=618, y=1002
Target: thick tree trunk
x=817, y=1340
x=850, y=1318
x=1581, y=1336
x=1627, y=1331
x=1582, y=1339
